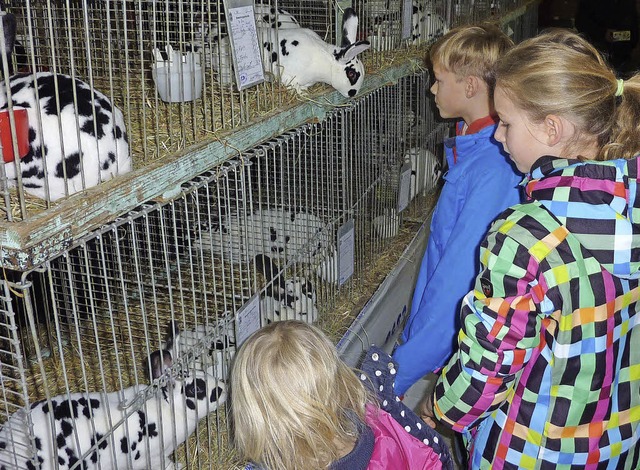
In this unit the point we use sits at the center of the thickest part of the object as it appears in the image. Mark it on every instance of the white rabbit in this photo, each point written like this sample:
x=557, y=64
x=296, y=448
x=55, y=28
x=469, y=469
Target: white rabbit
x=385, y=23
x=285, y=298
x=267, y=16
x=426, y=24
x=280, y=233
x=211, y=346
x=76, y=151
x=425, y=170
x=75, y=424
x=299, y=58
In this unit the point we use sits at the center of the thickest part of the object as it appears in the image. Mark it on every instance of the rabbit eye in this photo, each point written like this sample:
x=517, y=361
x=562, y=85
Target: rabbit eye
x=196, y=389
x=353, y=75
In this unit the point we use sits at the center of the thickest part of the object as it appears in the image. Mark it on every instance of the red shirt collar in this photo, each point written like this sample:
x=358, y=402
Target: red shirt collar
x=477, y=125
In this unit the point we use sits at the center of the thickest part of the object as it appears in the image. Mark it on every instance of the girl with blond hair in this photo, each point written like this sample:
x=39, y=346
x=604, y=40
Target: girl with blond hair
x=547, y=372
x=296, y=405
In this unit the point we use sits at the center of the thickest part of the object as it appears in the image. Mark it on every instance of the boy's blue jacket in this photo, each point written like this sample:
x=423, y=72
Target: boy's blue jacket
x=479, y=185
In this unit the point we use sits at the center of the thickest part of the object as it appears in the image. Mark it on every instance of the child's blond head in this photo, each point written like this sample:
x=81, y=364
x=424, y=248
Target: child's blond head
x=560, y=73
x=471, y=50
x=293, y=398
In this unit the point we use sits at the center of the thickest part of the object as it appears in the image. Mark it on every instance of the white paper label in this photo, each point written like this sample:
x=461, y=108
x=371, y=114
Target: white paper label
x=247, y=319
x=405, y=187
x=244, y=46
x=407, y=18
x=346, y=251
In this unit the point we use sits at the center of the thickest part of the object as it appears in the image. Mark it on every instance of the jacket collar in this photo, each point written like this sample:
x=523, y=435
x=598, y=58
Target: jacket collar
x=543, y=167
x=360, y=456
x=477, y=125
x=463, y=149
x=598, y=203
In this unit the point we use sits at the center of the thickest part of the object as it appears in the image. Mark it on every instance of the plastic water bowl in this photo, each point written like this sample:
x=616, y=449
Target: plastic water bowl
x=178, y=82
x=387, y=225
x=22, y=134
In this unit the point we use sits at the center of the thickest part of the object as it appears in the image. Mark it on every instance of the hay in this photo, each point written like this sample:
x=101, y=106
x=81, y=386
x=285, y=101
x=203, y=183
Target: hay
x=210, y=446
x=364, y=284
x=157, y=129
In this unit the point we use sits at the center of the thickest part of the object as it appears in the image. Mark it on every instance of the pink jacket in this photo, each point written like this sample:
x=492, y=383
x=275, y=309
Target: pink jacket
x=395, y=448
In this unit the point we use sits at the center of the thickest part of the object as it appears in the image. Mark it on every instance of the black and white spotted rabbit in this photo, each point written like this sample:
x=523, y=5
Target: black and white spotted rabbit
x=85, y=423
x=69, y=149
x=284, y=234
x=76, y=150
x=285, y=298
x=299, y=57
x=211, y=347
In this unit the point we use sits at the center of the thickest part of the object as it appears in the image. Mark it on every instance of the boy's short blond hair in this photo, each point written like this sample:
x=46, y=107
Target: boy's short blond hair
x=471, y=50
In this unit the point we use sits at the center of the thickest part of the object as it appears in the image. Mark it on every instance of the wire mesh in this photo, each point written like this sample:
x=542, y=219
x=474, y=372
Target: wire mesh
x=109, y=47
x=263, y=226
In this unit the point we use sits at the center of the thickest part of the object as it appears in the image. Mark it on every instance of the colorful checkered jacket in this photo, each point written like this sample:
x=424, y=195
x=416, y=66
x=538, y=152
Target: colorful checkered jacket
x=547, y=374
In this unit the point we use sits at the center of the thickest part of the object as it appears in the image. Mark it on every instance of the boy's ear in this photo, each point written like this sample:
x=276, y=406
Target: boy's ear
x=472, y=86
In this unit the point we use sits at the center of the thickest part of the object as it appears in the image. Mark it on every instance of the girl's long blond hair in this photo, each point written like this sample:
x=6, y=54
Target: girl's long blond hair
x=293, y=400
x=558, y=72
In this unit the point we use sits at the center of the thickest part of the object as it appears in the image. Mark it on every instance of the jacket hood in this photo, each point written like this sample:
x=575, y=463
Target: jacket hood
x=598, y=203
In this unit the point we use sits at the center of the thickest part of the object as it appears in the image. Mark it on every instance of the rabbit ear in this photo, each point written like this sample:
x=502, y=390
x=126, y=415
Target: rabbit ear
x=9, y=28
x=349, y=52
x=173, y=331
x=349, y=27
x=266, y=266
x=159, y=361
x=270, y=271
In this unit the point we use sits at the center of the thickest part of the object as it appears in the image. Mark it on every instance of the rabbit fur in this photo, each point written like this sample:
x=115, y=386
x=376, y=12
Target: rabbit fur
x=279, y=233
x=216, y=340
x=299, y=58
x=76, y=151
x=71, y=425
x=426, y=24
x=425, y=170
x=384, y=20
x=285, y=298
x=69, y=151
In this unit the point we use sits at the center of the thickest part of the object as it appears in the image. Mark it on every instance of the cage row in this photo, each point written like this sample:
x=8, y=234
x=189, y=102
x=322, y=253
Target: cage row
x=119, y=346
x=113, y=351
x=101, y=88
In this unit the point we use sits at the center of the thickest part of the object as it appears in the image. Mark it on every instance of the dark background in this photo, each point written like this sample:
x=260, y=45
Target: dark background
x=562, y=13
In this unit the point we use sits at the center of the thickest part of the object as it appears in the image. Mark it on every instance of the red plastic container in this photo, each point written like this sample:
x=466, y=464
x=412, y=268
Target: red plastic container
x=22, y=133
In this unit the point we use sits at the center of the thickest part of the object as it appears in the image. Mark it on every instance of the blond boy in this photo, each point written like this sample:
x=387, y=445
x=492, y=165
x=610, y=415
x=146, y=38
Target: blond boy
x=480, y=183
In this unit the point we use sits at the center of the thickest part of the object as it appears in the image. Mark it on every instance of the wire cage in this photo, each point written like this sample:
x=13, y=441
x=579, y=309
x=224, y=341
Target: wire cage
x=147, y=308
x=99, y=67
x=259, y=230
x=117, y=48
